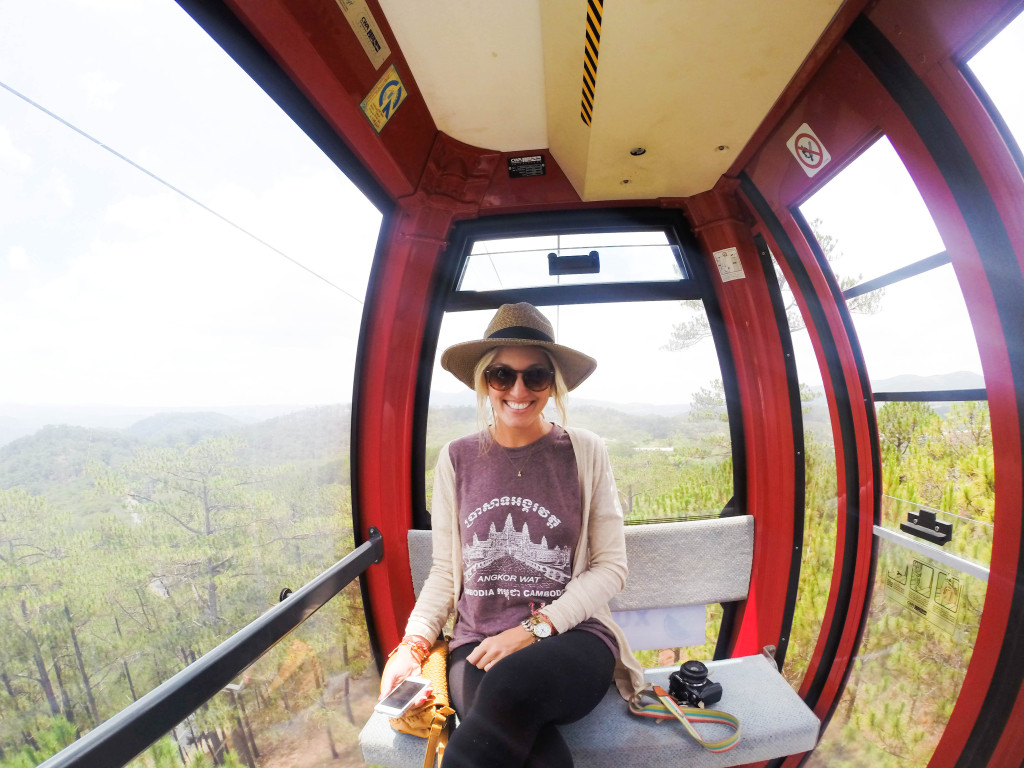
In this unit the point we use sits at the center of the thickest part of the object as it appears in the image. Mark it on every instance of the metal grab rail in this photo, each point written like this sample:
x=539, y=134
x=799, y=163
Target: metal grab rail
x=128, y=733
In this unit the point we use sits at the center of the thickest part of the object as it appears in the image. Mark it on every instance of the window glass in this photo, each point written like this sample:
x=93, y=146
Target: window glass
x=179, y=335
x=302, y=704
x=661, y=413
x=996, y=66
x=603, y=258
x=936, y=458
x=909, y=670
x=919, y=336
x=877, y=233
x=915, y=334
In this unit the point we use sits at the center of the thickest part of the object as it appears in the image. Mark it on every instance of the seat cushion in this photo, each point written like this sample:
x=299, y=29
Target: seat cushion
x=774, y=722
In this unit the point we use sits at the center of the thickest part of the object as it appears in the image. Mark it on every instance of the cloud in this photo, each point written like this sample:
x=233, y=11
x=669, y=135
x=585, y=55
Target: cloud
x=11, y=158
x=99, y=90
x=17, y=259
x=167, y=304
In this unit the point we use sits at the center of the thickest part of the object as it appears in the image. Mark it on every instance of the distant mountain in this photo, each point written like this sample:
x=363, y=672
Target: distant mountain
x=912, y=383
x=637, y=409
x=18, y=420
x=190, y=428
x=54, y=461
x=612, y=422
x=304, y=435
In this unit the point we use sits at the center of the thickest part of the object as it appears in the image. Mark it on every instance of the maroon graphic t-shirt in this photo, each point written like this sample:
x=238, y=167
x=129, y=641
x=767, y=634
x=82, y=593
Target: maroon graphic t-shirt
x=519, y=514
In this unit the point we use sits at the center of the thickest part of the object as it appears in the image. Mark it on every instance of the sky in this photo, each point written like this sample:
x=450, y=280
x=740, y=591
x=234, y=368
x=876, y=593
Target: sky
x=117, y=290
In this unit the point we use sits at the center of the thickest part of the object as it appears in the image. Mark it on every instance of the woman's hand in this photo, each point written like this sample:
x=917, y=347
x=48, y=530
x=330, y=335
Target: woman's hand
x=493, y=649
x=401, y=664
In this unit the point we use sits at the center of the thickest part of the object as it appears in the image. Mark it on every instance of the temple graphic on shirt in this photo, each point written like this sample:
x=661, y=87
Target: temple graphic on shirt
x=552, y=562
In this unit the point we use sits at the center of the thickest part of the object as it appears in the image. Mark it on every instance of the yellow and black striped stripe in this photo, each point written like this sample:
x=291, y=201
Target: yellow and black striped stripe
x=594, y=10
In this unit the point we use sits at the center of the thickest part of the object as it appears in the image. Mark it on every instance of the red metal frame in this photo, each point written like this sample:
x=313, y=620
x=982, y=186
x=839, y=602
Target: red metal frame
x=959, y=28
x=847, y=118
x=783, y=183
x=720, y=222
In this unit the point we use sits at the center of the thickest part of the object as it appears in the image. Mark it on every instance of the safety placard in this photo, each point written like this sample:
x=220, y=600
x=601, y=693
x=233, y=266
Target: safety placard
x=360, y=18
x=808, y=150
x=729, y=266
x=384, y=99
x=936, y=594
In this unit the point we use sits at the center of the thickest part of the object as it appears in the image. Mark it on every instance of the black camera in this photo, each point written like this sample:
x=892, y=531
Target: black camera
x=690, y=685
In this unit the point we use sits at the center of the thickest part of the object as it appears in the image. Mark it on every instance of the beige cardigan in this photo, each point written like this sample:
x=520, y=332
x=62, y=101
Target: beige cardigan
x=598, y=570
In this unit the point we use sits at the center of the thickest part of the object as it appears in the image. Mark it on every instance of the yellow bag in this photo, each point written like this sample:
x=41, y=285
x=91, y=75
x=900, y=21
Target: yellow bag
x=430, y=721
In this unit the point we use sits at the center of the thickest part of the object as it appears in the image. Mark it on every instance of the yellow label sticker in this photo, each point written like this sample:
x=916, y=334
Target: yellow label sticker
x=384, y=99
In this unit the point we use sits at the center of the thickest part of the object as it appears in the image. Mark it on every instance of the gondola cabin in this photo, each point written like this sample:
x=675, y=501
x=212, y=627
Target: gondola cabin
x=793, y=236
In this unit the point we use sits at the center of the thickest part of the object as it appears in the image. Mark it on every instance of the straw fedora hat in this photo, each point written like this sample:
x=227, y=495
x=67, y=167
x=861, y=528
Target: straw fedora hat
x=517, y=325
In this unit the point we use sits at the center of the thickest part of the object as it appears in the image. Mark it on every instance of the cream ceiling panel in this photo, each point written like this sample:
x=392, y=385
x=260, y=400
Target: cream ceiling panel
x=689, y=81
x=480, y=66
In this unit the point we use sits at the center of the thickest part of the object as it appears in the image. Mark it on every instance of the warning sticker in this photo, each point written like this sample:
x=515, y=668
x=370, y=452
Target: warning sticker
x=808, y=150
x=729, y=266
x=384, y=99
x=360, y=18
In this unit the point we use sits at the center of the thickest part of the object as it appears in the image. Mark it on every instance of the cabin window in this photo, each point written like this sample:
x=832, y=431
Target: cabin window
x=995, y=66
x=549, y=260
x=882, y=245
x=658, y=404
x=178, y=337
x=935, y=443
x=666, y=429
x=661, y=411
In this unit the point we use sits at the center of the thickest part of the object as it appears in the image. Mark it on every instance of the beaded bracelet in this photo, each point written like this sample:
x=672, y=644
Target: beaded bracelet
x=418, y=646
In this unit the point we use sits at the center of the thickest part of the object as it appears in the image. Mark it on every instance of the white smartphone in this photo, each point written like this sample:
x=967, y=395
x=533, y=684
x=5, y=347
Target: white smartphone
x=402, y=696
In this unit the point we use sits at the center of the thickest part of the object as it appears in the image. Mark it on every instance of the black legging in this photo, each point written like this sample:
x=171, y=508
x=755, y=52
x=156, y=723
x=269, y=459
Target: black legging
x=507, y=715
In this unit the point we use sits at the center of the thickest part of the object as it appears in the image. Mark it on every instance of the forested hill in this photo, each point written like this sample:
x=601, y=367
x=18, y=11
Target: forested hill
x=55, y=461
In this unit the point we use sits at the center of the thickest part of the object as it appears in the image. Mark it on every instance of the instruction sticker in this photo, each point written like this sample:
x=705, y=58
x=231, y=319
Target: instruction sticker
x=932, y=592
x=808, y=150
x=729, y=266
x=360, y=18
x=384, y=99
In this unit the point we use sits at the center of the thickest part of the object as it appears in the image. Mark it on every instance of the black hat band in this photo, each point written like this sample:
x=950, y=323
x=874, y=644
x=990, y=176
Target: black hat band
x=521, y=332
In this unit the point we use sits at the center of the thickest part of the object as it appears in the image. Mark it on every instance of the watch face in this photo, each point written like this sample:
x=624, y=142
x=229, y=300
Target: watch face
x=541, y=628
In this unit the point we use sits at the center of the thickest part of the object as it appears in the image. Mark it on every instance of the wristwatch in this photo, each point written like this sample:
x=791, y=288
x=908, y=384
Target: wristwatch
x=538, y=626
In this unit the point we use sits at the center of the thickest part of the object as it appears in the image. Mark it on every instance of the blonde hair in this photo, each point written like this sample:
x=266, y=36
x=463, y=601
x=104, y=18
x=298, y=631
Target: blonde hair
x=558, y=394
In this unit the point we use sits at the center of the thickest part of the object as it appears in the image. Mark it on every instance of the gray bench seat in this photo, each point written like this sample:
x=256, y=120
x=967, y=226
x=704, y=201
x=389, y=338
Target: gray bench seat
x=773, y=720
x=716, y=556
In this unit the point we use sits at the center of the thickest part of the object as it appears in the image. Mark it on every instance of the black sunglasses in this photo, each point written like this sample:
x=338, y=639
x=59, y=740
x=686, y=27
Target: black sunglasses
x=502, y=377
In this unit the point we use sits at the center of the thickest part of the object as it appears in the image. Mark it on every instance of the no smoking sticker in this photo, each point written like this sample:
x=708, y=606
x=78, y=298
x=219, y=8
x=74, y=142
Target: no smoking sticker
x=808, y=150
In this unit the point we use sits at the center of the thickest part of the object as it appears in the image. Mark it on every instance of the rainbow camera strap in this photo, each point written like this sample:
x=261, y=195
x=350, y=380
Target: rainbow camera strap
x=667, y=708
